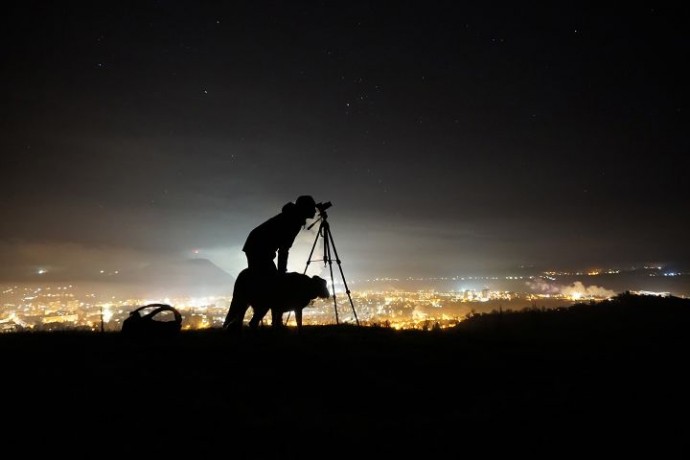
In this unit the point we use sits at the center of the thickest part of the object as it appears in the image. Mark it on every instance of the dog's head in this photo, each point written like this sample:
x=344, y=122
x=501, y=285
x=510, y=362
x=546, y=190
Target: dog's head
x=320, y=287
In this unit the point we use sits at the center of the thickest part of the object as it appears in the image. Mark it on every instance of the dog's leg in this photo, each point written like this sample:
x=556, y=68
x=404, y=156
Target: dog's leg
x=276, y=318
x=235, y=316
x=259, y=313
x=298, y=319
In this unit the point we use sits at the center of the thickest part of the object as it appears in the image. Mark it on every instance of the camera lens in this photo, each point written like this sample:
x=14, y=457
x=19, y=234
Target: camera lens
x=323, y=206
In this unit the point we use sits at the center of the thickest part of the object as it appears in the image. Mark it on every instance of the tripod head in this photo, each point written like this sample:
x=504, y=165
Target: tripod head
x=321, y=207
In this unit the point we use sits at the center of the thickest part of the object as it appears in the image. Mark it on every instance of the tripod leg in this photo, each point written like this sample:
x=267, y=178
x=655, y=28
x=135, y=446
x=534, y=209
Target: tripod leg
x=342, y=275
x=327, y=258
x=313, y=246
x=328, y=243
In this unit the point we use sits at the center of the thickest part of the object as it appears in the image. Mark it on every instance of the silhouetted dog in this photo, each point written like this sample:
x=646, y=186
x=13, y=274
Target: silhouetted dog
x=292, y=292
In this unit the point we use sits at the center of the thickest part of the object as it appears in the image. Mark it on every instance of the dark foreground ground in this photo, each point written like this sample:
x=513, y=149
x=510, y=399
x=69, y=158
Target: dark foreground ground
x=590, y=380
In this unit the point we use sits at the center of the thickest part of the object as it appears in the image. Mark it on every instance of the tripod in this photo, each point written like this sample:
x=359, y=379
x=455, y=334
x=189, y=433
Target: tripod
x=328, y=245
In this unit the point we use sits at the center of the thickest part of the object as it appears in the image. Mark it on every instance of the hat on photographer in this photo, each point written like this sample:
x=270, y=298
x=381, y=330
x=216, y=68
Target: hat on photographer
x=306, y=206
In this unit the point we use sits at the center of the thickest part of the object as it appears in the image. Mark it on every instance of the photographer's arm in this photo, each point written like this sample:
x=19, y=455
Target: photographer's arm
x=283, y=259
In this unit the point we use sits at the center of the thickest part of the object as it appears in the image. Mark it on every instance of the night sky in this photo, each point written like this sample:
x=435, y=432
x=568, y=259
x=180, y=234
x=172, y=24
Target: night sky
x=450, y=139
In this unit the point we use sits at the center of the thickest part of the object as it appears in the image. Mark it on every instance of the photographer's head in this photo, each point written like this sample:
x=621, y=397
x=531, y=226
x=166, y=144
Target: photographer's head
x=306, y=206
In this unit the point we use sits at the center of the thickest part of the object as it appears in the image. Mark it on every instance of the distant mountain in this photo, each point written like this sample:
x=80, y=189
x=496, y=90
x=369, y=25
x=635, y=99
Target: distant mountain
x=194, y=277
x=184, y=271
x=164, y=278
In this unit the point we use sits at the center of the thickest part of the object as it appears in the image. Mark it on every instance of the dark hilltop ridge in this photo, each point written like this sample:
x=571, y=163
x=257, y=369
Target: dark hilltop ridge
x=606, y=378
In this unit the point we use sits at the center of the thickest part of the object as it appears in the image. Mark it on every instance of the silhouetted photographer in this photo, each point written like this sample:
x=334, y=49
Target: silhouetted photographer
x=275, y=237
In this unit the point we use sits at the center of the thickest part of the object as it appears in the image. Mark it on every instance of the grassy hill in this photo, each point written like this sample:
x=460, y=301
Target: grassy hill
x=603, y=378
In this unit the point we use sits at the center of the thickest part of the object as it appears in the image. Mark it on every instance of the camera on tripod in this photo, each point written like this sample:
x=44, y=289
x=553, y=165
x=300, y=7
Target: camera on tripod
x=323, y=206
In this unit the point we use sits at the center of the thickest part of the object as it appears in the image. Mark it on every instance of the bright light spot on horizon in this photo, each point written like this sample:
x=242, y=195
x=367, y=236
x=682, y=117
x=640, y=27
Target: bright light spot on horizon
x=107, y=313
